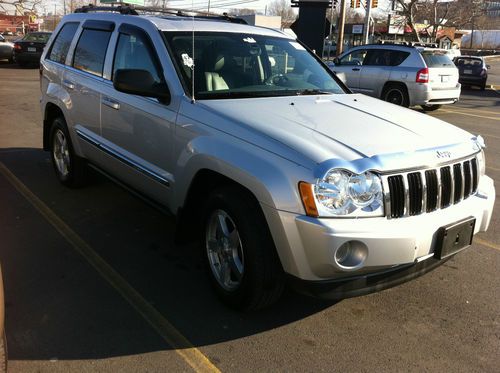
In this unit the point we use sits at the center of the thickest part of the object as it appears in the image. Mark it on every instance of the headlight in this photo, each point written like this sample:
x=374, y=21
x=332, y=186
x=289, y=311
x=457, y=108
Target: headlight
x=343, y=193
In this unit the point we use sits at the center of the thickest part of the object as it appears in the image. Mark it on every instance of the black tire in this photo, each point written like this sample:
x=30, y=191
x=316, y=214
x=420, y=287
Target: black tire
x=396, y=94
x=261, y=281
x=72, y=172
x=430, y=107
x=482, y=86
x=3, y=353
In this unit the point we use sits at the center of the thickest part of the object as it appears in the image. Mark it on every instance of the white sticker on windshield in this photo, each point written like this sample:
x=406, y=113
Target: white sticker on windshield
x=186, y=60
x=249, y=40
x=297, y=46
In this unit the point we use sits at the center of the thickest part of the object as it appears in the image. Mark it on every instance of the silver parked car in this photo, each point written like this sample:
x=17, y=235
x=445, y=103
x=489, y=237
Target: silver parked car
x=6, y=49
x=263, y=155
x=401, y=74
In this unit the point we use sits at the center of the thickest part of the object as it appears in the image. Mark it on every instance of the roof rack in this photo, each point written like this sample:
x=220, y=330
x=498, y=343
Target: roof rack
x=129, y=9
x=408, y=43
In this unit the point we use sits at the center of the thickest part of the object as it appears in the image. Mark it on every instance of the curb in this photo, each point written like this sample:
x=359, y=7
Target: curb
x=494, y=87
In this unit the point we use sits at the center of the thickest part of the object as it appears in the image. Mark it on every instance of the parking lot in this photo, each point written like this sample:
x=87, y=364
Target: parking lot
x=95, y=282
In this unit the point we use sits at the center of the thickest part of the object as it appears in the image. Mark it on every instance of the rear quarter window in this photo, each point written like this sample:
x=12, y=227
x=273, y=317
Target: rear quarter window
x=436, y=59
x=61, y=44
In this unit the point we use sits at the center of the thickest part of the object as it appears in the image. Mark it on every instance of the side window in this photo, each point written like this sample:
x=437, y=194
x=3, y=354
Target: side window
x=60, y=46
x=354, y=58
x=91, y=51
x=398, y=57
x=378, y=57
x=132, y=52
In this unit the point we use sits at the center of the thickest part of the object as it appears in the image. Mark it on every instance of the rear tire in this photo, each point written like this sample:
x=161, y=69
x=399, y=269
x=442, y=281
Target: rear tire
x=70, y=169
x=430, y=107
x=239, y=252
x=396, y=94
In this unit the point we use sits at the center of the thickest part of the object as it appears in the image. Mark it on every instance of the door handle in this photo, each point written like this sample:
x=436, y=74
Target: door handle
x=68, y=84
x=110, y=103
x=356, y=69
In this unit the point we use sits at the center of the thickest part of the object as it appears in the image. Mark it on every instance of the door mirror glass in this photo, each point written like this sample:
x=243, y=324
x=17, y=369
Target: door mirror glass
x=141, y=83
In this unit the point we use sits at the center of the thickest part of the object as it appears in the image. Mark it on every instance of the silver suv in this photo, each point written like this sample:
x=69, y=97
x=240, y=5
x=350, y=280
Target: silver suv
x=262, y=154
x=401, y=74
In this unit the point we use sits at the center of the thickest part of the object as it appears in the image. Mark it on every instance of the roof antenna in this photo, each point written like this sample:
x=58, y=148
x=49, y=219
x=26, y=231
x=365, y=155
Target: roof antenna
x=193, y=100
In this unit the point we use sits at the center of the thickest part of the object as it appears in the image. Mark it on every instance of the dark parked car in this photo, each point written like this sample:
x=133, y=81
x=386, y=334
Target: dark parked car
x=472, y=70
x=6, y=49
x=30, y=48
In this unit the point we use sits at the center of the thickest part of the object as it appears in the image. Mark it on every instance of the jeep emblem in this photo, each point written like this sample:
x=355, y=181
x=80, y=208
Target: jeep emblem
x=443, y=154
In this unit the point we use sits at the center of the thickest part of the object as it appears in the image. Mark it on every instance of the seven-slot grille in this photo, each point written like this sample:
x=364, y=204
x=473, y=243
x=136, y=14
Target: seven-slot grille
x=413, y=193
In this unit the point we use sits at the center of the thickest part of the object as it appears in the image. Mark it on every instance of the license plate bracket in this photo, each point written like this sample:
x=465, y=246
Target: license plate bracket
x=454, y=237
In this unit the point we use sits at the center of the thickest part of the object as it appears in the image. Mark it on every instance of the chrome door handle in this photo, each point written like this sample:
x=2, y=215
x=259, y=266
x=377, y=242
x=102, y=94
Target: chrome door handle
x=110, y=103
x=68, y=84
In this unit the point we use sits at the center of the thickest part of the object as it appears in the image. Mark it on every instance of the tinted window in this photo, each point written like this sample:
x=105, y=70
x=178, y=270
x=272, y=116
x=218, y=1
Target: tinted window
x=436, y=59
x=132, y=52
x=63, y=40
x=385, y=57
x=354, y=58
x=467, y=61
x=91, y=51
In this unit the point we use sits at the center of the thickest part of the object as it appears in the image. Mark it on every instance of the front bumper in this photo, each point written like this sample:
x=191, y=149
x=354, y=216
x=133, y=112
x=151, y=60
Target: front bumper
x=424, y=94
x=396, y=248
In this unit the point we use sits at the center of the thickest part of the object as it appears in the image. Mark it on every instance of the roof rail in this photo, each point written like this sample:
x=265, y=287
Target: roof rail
x=129, y=9
x=122, y=9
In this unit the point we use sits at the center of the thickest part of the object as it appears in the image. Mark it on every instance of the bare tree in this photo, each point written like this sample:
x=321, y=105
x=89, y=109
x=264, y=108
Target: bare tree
x=283, y=9
x=22, y=6
x=242, y=12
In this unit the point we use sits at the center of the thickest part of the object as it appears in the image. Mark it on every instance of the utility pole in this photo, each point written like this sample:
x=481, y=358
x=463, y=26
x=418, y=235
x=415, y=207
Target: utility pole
x=366, y=28
x=340, y=27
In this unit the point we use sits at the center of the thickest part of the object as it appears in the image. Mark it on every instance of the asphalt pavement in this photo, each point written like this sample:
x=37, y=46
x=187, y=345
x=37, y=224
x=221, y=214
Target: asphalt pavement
x=95, y=283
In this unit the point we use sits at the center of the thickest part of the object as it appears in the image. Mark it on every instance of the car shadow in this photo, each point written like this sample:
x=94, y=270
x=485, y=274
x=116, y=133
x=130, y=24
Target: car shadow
x=57, y=305
x=4, y=64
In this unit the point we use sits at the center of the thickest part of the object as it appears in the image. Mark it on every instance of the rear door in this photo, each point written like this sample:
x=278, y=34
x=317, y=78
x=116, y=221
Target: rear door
x=83, y=81
x=442, y=71
x=375, y=71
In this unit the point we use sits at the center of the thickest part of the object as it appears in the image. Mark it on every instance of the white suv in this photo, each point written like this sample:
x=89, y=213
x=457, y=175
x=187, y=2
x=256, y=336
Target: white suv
x=262, y=154
x=401, y=74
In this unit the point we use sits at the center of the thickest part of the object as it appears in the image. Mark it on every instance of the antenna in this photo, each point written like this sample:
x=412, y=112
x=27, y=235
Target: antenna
x=193, y=99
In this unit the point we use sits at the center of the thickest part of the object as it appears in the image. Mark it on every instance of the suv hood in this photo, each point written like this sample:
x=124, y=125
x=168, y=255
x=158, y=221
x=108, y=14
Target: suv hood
x=347, y=126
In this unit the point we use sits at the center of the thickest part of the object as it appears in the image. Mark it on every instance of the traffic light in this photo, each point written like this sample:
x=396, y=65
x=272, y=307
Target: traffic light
x=374, y=3
x=358, y=3
x=355, y=3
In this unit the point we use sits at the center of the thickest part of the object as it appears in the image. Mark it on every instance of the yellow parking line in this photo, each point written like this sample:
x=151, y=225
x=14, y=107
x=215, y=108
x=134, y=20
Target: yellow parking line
x=469, y=114
x=491, y=245
x=190, y=354
x=478, y=110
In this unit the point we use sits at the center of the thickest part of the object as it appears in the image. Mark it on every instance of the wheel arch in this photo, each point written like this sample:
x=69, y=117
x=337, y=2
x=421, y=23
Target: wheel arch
x=51, y=112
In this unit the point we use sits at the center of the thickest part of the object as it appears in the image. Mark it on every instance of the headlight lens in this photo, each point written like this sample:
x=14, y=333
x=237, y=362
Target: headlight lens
x=341, y=192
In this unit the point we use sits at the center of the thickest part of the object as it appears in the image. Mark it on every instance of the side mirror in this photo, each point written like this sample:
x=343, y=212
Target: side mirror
x=336, y=61
x=141, y=83
x=488, y=67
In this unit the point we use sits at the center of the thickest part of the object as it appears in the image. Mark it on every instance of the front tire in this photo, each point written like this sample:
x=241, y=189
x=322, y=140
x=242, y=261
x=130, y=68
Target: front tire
x=240, y=256
x=430, y=107
x=70, y=169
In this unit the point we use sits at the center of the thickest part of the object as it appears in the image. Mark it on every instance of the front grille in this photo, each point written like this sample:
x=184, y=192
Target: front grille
x=416, y=192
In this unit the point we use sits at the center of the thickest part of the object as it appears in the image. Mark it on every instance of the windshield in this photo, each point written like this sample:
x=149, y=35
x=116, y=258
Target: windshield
x=436, y=59
x=231, y=65
x=40, y=38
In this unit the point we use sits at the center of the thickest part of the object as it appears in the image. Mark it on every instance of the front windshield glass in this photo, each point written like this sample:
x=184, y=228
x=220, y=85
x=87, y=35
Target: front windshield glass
x=231, y=65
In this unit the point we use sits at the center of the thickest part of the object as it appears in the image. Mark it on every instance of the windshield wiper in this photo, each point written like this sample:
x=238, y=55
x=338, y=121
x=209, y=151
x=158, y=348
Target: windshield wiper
x=305, y=92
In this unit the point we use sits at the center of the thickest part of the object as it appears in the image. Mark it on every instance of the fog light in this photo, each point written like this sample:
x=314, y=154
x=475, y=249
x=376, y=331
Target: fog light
x=351, y=254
